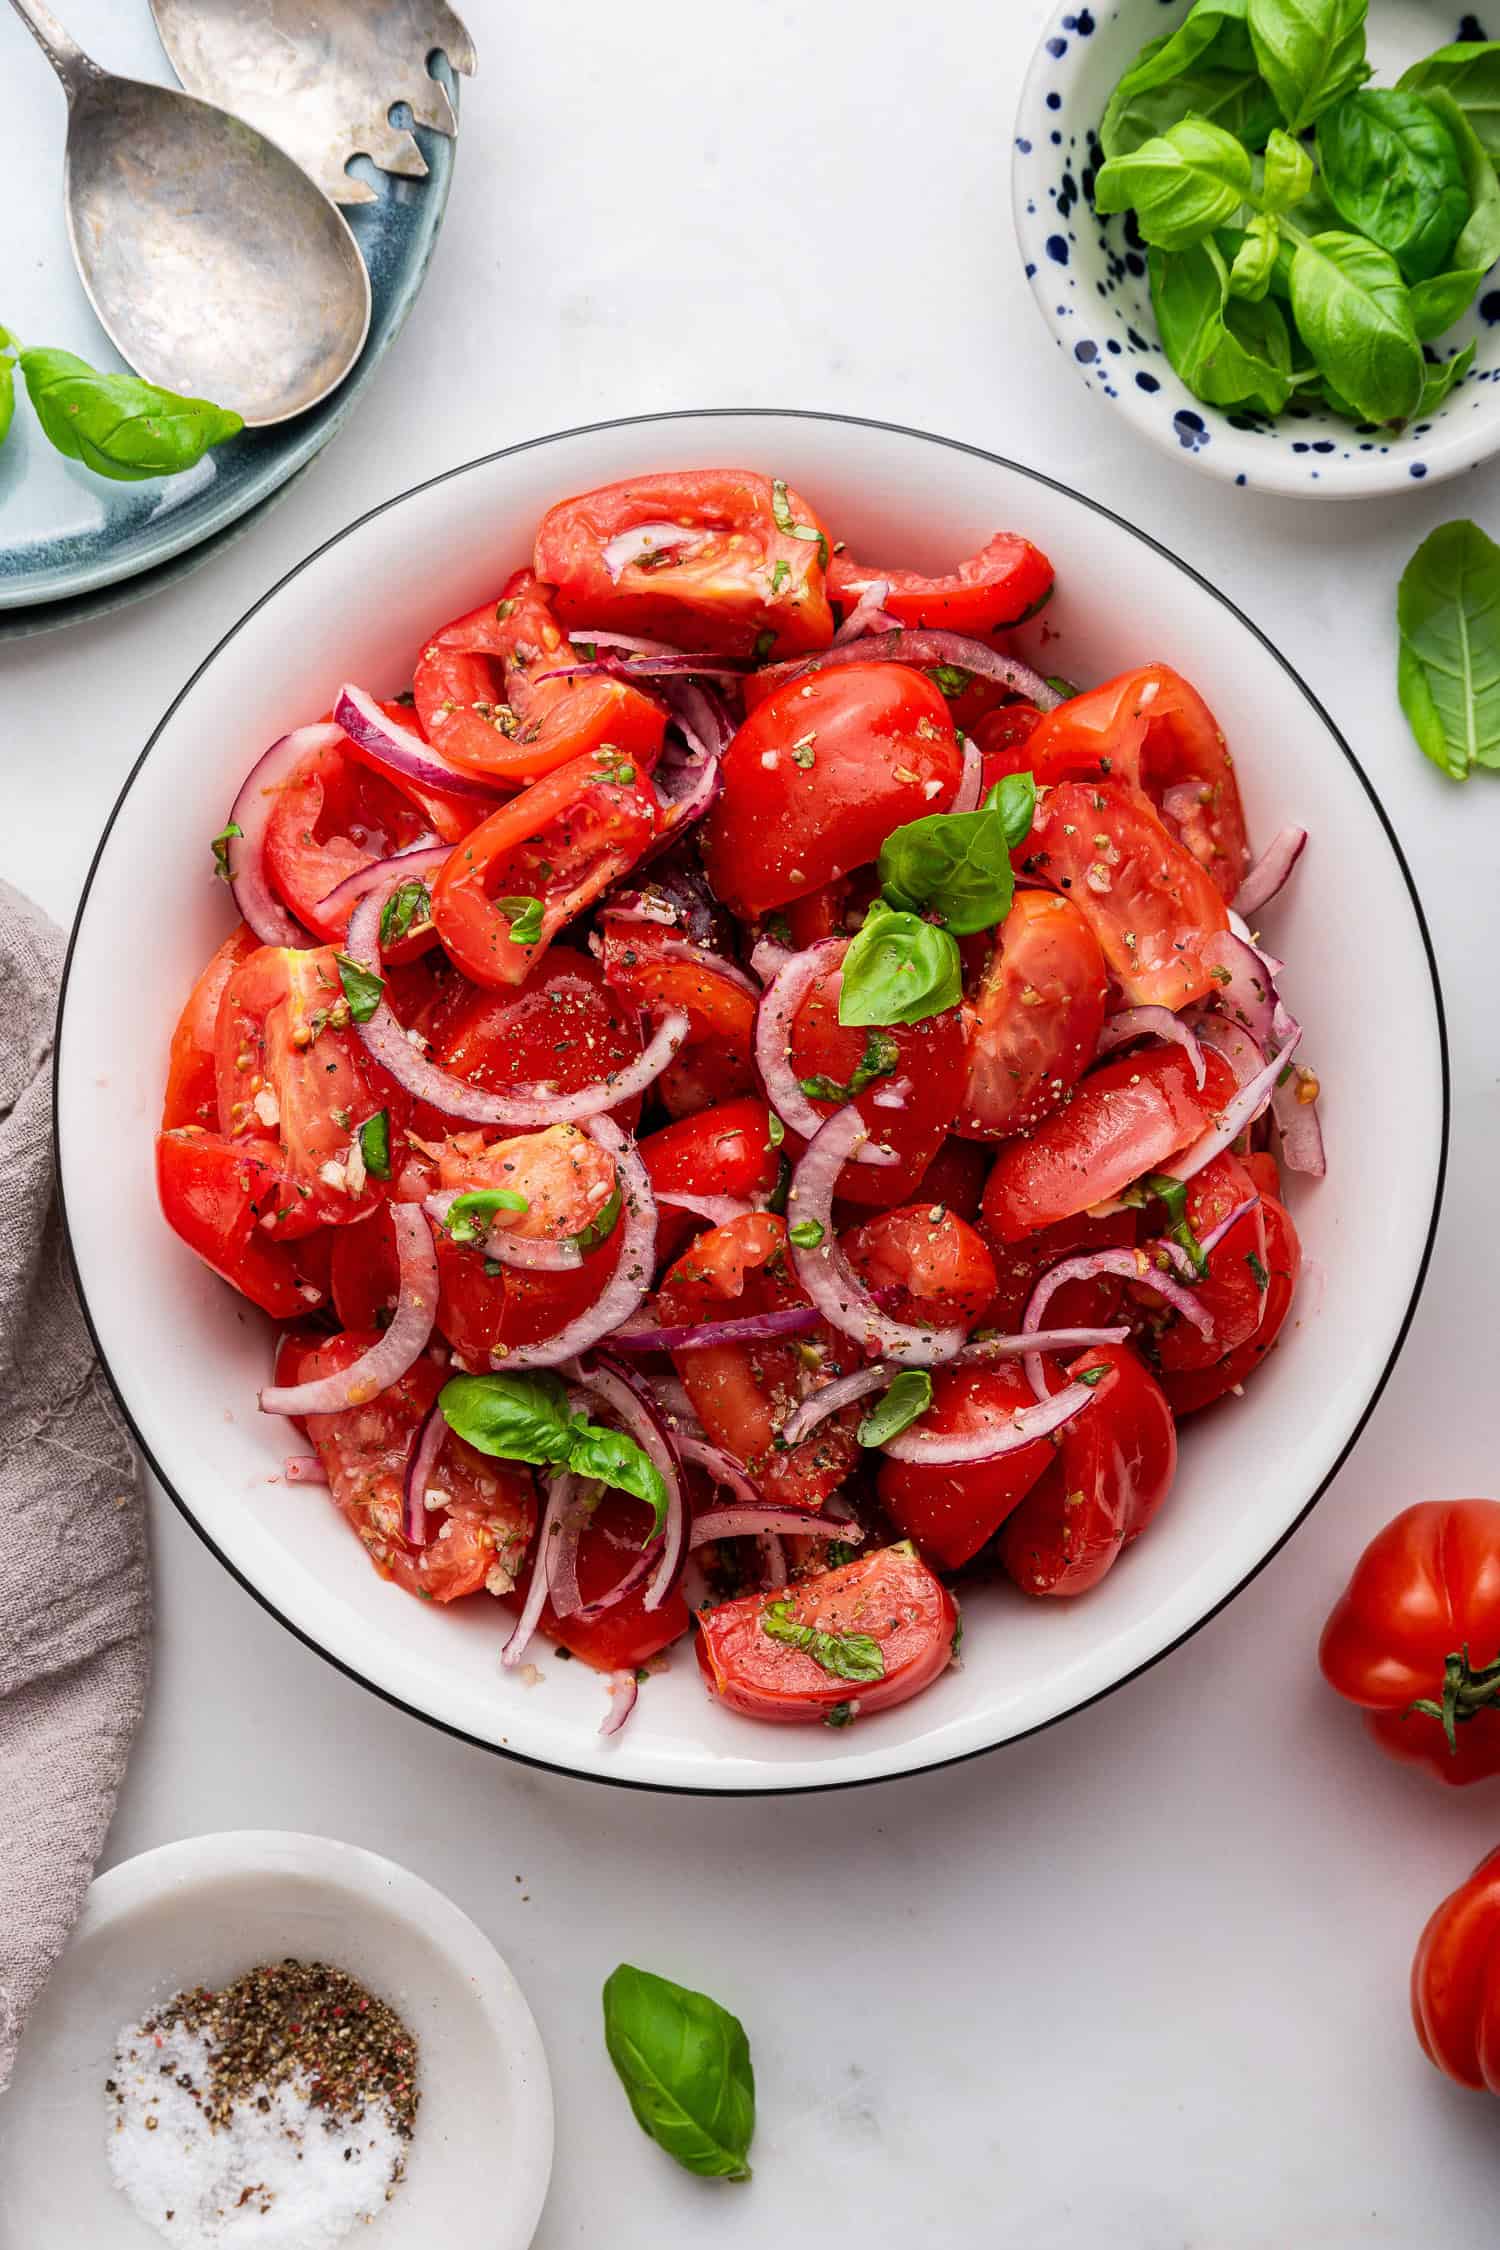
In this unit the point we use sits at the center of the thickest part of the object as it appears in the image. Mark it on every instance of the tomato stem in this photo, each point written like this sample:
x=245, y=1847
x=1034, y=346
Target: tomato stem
x=1466, y=1692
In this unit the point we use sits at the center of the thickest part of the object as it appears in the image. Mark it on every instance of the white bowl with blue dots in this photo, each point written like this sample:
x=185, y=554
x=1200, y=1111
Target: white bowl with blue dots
x=1088, y=275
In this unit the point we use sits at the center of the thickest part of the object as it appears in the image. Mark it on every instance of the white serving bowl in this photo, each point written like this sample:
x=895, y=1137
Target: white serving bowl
x=186, y=1355
x=1090, y=283
x=206, y=1909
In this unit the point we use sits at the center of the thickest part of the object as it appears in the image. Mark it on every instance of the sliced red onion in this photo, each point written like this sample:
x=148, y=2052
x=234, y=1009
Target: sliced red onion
x=627, y=1285
x=304, y=1468
x=701, y=787
x=631, y=1403
x=717, y=1209
x=562, y=1557
x=843, y=1391
x=533, y=1253
x=385, y=875
x=245, y=854
x=398, y=1349
x=1042, y=1340
x=894, y=1096
x=420, y=1463
x=1247, y=991
x=773, y=1567
x=1298, y=1127
x=722, y=1467
x=768, y=958
x=644, y=542
x=400, y=751
x=675, y=1407
x=518, y=1107
x=1242, y=1111
x=632, y=668
x=1130, y=1265
x=1151, y=1023
x=787, y=1523
x=750, y=1328
x=921, y=647
x=605, y=636
x=624, y=1687
x=789, y=986
x=1007, y=1433
x=712, y=964
x=560, y=1490
x=1270, y=871
x=700, y=715
x=639, y=906
x=1215, y=1236
x=869, y=607
x=826, y=1274
x=1242, y=1053
x=971, y=780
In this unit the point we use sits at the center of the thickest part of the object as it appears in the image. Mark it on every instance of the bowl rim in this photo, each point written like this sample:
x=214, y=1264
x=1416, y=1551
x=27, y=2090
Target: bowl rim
x=1229, y=459
x=643, y=422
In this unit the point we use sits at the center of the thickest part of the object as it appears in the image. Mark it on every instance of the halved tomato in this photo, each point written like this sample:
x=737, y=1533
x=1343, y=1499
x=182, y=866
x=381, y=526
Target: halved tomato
x=1232, y=1292
x=951, y=1508
x=333, y=816
x=652, y=966
x=561, y=1028
x=192, y=1096
x=1114, y=1468
x=1007, y=580
x=1035, y=1016
x=235, y=1208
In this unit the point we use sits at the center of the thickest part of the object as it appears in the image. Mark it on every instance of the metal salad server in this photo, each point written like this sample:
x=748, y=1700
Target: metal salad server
x=215, y=265
x=322, y=80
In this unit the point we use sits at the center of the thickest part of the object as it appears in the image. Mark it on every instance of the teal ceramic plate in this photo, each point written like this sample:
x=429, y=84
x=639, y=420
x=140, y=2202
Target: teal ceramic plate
x=69, y=541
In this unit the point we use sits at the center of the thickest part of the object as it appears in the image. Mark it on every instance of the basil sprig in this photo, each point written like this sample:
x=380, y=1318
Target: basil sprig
x=1448, y=678
x=527, y=1418
x=844, y=1656
x=908, y=1396
x=117, y=425
x=684, y=2063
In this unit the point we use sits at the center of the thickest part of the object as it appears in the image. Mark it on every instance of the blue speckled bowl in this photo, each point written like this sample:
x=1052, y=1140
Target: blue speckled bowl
x=1089, y=277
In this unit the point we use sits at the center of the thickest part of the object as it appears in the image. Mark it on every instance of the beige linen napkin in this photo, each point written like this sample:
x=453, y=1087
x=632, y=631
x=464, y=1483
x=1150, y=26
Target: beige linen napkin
x=75, y=1598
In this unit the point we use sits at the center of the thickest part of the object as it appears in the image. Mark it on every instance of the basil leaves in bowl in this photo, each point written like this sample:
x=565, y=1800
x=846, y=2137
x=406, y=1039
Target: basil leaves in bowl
x=1264, y=230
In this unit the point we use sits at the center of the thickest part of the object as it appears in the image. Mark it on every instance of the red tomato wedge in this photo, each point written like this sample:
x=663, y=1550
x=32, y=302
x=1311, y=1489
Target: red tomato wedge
x=1007, y=580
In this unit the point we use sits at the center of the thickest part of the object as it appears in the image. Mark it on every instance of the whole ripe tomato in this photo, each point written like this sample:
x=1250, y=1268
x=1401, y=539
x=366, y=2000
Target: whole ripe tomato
x=649, y=965
x=1113, y=1469
x=726, y=1150
x=1455, y=1982
x=493, y=695
x=1126, y=1118
x=192, y=1095
x=288, y=1063
x=930, y=1265
x=217, y=1195
x=481, y=1512
x=1233, y=1291
x=1282, y=1260
x=1414, y=1638
x=951, y=1508
x=562, y=1028
x=743, y=1392
x=819, y=775
x=883, y=1618
x=561, y=842
x=720, y=559
x=1153, y=731
x=1148, y=902
x=1035, y=1016
x=333, y=816
x=1019, y=1266
x=1006, y=581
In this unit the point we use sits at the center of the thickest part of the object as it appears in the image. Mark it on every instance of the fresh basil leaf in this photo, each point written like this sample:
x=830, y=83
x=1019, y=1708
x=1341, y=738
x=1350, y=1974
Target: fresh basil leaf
x=1437, y=304
x=1440, y=380
x=880, y=1058
x=1478, y=244
x=117, y=425
x=807, y=1233
x=7, y=392
x=1469, y=72
x=1207, y=68
x=525, y=915
x=899, y=969
x=471, y=1215
x=514, y=1417
x=1287, y=173
x=1354, y=316
x=775, y=1130
x=407, y=908
x=1311, y=53
x=952, y=679
x=363, y=989
x=844, y=1656
x=1448, y=614
x=1228, y=353
x=1172, y=1192
x=615, y=1459
x=1091, y=1375
x=1013, y=796
x=602, y=1225
x=1392, y=168
x=1189, y=180
x=957, y=865
x=684, y=2063
x=908, y=1396
x=375, y=1144
x=1254, y=264
x=220, y=849
x=781, y=510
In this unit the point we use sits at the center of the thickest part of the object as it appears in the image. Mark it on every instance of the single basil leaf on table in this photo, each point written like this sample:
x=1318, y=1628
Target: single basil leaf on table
x=909, y=1396
x=843, y=1656
x=118, y=425
x=1478, y=244
x=1448, y=615
x=1181, y=186
x=684, y=2063
x=1244, y=364
x=1310, y=52
x=1254, y=266
x=1206, y=68
x=1440, y=380
x=1469, y=72
x=1286, y=173
x=899, y=969
x=1393, y=170
x=1351, y=306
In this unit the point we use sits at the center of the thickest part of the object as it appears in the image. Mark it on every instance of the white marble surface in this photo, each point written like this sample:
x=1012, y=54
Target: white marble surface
x=1138, y=1983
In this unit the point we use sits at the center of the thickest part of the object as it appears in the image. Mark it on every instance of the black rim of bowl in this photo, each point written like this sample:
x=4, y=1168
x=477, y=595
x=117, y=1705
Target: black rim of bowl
x=643, y=422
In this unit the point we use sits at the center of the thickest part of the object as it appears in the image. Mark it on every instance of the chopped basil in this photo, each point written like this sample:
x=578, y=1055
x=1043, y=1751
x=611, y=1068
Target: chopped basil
x=899, y=969
x=1091, y=1376
x=1258, y=1272
x=525, y=915
x=775, y=1130
x=1173, y=1193
x=765, y=641
x=781, y=572
x=602, y=1225
x=471, y=1215
x=951, y=678
x=908, y=1395
x=880, y=1058
x=845, y=1656
x=785, y=521
x=684, y=2063
x=842, y=1715
x=363, y=989
x=807, y=1233
x=221, y=846
x=526, y=1418
x=1065, y=688
x=375, y=1144
x=407, y=908
x=837, y=1553
x=803, y=753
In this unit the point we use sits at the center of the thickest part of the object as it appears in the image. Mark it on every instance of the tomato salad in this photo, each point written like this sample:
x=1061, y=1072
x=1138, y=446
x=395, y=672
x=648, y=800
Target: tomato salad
x=745, y=1101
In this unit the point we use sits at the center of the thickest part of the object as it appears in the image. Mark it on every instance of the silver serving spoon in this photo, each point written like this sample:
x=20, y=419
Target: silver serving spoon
x=215, y=265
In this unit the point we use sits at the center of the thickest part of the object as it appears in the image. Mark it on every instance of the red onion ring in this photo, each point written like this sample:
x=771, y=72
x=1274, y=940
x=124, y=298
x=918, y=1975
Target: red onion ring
x=1130, y=1265
x=245, y=854
x=360, y=717
x=712, y=964
x=627, y=1285
x=385, y=875
x=700, y=715
x=624, y=1687
x=420, y=1463
x=1007, y=1435
x=1151, y=1023
x=721, y=1466
x=678, y=813
x=1270, y=871
x=1247, y=990
x=562, y=1559
x=1043, y=1340
x=644, y=541
x=843, y=1391
x=647, y=668
x=719, y=1210
x=920, y=647
x=631, y=1403
x=862, y=618
x=559, y=1500
x=750, y=1328
x=971, y=780
x=533, y=1253
x=518, y=1108
x=826, y=1274
x=1300, y=1132
x=402, y=1344
x=1212, y=1240
x=748, y=1523
x=773, y=1567
x=789, y=985
x=304, y=1468
x=1243, y=1055
x=1242, y=1111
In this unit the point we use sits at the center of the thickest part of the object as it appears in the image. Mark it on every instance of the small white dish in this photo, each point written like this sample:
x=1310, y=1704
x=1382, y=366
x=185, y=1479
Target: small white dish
x=1089, y=279
x=209, y=1907
x=187, y=1356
